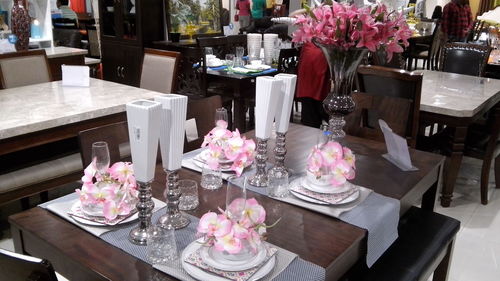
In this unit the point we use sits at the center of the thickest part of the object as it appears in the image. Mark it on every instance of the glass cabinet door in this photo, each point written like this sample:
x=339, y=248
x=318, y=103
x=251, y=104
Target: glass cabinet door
x=109, y=18
x=129, y=19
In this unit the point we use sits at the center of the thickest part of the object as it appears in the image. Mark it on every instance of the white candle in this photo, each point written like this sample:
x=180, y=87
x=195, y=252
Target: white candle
x=267, y=94
x=143, y=118
x=285, y=108
x=172, y=129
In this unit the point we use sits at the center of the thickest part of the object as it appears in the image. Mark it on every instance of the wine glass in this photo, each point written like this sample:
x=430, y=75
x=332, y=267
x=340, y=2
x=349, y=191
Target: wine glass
x=100, y=156
x=220, y=114
x=236, y=198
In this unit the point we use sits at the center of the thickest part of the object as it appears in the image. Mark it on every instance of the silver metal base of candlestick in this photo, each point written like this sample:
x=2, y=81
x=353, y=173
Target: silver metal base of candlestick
x=139, y=235
x=173, y=218
x=260, y=177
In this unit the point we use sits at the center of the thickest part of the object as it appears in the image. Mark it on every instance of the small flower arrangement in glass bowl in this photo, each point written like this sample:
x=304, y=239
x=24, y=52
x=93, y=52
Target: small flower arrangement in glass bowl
x=235, y=239
x=228, y=149
x=330, y=165
x=111, y=194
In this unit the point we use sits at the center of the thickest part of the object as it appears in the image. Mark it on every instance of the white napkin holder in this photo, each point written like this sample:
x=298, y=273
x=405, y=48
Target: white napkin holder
x=172, y=129
x=397, y=148
x=285, y=107
x=143, y=122
x=268, y=94
x=75, y=75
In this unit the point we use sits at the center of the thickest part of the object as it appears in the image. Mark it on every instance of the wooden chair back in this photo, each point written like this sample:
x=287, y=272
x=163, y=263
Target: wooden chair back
x=192, y=74
x=464, y=58
x=233, y=41
x=17, y=267
x=380, y=58
x=24, y=68
x=203, y=111
x=159, y=70
x=114, y=134
x=288, y=61
x=384, y=81
x=218, y=44
x=363, y=122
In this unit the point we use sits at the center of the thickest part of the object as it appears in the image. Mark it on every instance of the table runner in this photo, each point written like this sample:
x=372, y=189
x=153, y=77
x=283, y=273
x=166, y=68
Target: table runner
x=288, y=265
x=376, y=213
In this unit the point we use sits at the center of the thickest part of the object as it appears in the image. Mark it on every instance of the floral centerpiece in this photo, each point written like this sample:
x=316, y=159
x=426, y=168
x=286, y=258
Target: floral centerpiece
x=345, y=33
x=234, y=236
x=226, y=147
x=111, y=194
x=331, y=164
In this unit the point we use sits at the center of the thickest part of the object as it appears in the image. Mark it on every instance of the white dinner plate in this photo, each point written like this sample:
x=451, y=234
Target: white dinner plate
x=199, y=160
x=349, y=199
x=91, y=222
x=200, y=274
x=257, y=66
x=210, y=257
x=325, y=189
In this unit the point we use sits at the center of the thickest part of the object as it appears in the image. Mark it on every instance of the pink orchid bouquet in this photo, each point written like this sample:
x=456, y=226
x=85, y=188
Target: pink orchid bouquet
x=225, y=146
x=111, y=194
x=332, y=163
x=232, y=236
x=347, y=26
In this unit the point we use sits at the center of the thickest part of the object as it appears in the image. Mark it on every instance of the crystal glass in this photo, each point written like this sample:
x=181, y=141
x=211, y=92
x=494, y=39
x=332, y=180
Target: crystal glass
x=229, y=58
x=277, y=182
x=221, y=114
x=189, y=195
x=100, y=156
x=209, y=51
x=239, y=51
x=211, y=178
x=236, y=197
x=161, y=246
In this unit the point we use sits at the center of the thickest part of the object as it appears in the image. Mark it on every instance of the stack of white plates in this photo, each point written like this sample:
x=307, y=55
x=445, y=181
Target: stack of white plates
x=270, y=41
x=254, y=42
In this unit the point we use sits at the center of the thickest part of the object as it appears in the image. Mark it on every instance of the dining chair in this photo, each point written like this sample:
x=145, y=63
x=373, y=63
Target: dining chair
x=192, y=74
x=24, y=68
x=288, y=60
x=18, y=267
x=384, y=81
x=93, y=46
x=67, y=37
x=464, y=58
x=233, y=41
x=203, y=112
x=116, y=135
x=475, y=31
x=380, y=58
x=483, y=142
x=218, y=44
x=426, y=51
x=159, y=70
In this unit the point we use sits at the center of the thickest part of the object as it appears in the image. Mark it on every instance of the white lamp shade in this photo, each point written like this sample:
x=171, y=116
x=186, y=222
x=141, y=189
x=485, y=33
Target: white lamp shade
x=143, y=118
x=172, y=129
x=268, y=94
x=285, y=108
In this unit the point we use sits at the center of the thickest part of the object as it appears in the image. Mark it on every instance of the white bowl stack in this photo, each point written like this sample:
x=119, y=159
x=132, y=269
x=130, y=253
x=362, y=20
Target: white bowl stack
x=270, y=40
x=254, y=42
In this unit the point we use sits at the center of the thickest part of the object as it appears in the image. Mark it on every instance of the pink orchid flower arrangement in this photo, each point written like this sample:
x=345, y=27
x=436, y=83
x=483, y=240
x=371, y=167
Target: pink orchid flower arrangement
x=110, y=195
x=225, y=146
x=347, y=26
x=332, y=161
x=232, y=236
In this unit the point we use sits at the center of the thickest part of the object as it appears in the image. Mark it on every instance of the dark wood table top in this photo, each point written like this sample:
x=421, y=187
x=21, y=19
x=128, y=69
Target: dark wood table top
x=317, y=238
x=231, y=75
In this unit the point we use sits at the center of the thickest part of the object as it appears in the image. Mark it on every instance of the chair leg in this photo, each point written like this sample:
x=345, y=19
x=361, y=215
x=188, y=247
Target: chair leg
x=497, y=171
x=44, y=196
x=441, y=272
x=25, y=203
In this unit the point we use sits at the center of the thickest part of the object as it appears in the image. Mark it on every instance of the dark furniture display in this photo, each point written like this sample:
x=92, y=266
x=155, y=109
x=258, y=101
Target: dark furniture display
x=125, y=30
x=78, y=255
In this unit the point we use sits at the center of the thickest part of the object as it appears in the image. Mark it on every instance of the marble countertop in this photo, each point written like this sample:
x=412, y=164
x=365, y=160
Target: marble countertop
x=57, y=52
x=457, y=95
x=42, y=106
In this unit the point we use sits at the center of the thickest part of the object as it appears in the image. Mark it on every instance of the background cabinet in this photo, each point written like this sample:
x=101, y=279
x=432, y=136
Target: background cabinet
x=126, y=28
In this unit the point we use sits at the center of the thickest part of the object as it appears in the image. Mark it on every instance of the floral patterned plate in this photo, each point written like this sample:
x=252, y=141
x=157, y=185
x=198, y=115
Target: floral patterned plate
x=212, y=258
x=79, y=216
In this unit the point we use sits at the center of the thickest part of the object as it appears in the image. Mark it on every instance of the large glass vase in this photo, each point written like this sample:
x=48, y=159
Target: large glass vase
x=343, y=65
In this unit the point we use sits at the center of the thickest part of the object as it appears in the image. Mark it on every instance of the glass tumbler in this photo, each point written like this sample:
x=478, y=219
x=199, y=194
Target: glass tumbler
x=161, y=246
x=277, y=182
x=189, y=195
x=220, y=114
x=211, y=178
x=239, y=51
x=236, y=197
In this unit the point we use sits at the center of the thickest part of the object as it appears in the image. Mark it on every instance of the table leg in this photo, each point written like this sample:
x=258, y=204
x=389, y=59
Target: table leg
x=452, y=165
x=17, y=239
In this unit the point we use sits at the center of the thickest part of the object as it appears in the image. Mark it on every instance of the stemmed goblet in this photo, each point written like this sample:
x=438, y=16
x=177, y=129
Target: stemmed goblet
x=100, y=157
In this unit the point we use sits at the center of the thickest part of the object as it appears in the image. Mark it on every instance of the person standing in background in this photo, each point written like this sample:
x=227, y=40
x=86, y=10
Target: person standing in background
x=66, y=11
x=457, y=20
x=243, y=6
x=258, y=8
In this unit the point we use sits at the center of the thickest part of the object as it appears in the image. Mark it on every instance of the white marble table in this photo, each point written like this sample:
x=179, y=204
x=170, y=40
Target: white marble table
x=456, y=101
x=57, y=52
x=46, y=112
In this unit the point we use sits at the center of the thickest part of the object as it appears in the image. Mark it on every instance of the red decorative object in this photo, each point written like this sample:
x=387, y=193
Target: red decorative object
x=20, y=22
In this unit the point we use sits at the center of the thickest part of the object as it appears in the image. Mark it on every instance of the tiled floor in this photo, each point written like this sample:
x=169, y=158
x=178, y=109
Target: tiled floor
x=477, y=249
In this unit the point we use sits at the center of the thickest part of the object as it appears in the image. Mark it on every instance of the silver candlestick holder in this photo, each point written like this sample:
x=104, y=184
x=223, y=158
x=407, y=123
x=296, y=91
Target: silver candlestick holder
x=278, y=175
x=145, y=207
x=173, y=218
x=260, y=177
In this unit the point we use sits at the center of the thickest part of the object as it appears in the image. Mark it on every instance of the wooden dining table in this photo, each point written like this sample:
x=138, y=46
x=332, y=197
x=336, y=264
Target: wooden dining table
x=455, y=100
x=325, y=241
